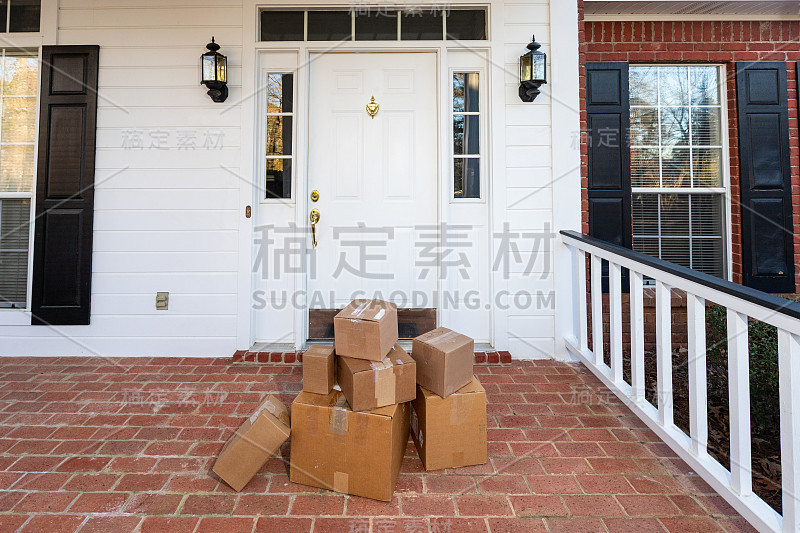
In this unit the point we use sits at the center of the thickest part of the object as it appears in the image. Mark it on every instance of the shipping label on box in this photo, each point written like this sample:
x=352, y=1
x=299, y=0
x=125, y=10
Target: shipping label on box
x=319, y=369
x=336, y=448
x=256, y=440
x=450, y=432
x=365, y=329
x=372, y=384
x=444, y=360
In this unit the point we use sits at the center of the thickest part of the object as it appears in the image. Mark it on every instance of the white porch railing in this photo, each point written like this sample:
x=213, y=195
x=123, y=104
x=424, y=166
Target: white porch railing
x=735, y=485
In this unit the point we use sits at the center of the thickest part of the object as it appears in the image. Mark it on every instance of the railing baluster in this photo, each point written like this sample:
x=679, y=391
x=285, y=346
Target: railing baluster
x=698, y=384
x=739, y=403
x=664, y=353
x=580, y=294
x=789, y=384
x=637, y=336
x=597, y=309
x=615, y=320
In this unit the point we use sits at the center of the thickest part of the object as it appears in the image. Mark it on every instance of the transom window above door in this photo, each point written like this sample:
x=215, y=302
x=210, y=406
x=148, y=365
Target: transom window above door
x=374, y=23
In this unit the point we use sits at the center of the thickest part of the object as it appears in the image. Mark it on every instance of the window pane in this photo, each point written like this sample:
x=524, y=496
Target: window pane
x=646, y=245
x=18, y=123
x=675, y=126
x=705, y=85
x=20, y=75
x=329, y=25
x=675, y=167
x=279, y=135
x=279, y=178
x=644, y=167
x=279, y=93
x=3, y=15
x=16, y=168
x=674, y=214
x=467, y=179
x=643, y=82
x=707, y=256
x=706, y=126
x=465, y=24
x=380, y=25
x=421, y=24
x=25, y=15
x=707, y=167
x=707, y=214
x=676, y=250
x=465, y=92
x=644, y=126
x=645, y=214
x=282, y=25
x=674, y=85
x=466, y=135
x=14, y=226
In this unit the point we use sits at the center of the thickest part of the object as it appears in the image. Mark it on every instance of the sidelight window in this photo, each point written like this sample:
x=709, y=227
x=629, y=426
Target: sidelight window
x=279, y=129
x=676, y=144
x=20, y=71
x=466, y=136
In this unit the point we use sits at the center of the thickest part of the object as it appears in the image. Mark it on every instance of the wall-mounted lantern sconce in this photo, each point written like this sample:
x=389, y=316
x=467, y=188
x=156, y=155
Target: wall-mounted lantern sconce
x=532, y=71
x=215, y=72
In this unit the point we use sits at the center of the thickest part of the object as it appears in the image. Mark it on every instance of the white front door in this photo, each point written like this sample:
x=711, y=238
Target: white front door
x=377, y=178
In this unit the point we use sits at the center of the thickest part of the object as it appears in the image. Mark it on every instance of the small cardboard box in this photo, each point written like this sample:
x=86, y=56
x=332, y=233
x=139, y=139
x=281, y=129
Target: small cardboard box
x=319, y=369
x=444, y=360
x=450, y=432
x=369, y=385
x=335, y=448
x=254, y=442
x=365, y=329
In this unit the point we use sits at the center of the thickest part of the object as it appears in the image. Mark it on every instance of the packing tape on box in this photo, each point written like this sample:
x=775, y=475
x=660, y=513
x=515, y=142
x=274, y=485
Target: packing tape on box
x=379, y=314
x=338, y=425
x=360, y=309
x=268, y=406
x=340, y=482
x=384, y=379
x=448, y=336
x=458, y=410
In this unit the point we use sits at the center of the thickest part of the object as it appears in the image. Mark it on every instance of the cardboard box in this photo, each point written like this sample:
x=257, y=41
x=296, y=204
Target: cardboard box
x=319, y=369
x=372, y=384
x=254, y=442
x=444, y=360
x=338, y=449
x=365, y=329
x=450, y=432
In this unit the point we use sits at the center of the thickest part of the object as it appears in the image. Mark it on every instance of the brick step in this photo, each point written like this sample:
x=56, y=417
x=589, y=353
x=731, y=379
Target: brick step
x=296, y=358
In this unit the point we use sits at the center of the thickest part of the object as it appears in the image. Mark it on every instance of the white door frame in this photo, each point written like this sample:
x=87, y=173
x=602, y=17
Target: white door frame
x=252, y=54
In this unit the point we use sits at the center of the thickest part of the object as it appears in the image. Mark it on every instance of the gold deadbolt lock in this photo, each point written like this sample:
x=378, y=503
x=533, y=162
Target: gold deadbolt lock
x=314, y=195
x=314, y=218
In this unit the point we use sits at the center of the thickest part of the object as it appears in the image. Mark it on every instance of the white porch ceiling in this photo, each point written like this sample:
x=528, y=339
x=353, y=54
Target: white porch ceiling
x=680, y=9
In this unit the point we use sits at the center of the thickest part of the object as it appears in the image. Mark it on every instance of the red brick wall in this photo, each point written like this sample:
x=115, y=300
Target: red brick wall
x=702, y=42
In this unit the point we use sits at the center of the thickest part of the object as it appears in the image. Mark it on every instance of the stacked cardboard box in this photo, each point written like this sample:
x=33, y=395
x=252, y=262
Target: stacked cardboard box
x=350, y=424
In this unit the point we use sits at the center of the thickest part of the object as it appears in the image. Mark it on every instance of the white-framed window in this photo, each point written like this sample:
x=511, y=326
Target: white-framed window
x=466, y=135
x=279, y=135
x=678, y=173
x=19, y=74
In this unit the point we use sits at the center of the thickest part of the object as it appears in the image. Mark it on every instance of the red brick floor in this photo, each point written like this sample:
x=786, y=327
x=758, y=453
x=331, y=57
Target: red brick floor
x=90, y=444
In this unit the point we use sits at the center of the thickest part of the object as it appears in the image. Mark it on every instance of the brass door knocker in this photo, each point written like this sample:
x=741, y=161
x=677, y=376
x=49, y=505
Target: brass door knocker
x=372, y=107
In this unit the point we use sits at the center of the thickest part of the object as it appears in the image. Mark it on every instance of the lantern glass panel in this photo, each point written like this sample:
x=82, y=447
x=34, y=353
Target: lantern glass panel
x=537, y=66
x=209, y=67
x=222, y=68
x=525, y=68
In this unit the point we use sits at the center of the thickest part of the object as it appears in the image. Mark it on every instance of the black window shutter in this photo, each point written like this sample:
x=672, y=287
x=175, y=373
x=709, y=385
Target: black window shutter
x=608, y=124
x=62, y=253
x=765, y=183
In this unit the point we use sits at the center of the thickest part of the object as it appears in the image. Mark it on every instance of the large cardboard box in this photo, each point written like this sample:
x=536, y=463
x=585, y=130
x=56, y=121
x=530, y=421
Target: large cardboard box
x=336, y=448
x=444, y=360
x=450, y=432
x=319, y=369
x=365, y=329
x=372, y=384
x=253, y=443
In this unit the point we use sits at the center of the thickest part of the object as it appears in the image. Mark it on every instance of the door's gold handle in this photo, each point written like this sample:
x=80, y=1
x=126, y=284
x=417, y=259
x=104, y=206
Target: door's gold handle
x=314, y=218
